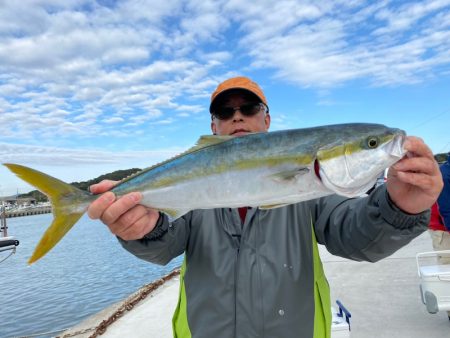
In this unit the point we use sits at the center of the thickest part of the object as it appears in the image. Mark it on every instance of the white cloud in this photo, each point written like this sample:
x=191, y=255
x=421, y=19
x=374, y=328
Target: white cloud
x=115, y=119
x=164, y=121
x=101, y=55
x=404, y=17
x=192, y=109
x=319, y=49
x=76, y=69
x=39, y=155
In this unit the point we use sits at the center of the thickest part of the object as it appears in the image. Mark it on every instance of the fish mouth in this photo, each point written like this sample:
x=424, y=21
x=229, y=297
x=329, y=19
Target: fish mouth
x=397, y=149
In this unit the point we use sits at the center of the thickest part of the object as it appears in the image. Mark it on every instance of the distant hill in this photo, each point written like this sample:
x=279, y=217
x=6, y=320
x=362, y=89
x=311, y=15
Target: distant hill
x=440, y=158
x=115, y=176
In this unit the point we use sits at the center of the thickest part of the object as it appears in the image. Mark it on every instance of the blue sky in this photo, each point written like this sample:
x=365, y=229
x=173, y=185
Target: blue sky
x=88, y=87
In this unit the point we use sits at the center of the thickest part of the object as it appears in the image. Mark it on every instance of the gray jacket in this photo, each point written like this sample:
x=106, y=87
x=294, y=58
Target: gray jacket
x=257, y=279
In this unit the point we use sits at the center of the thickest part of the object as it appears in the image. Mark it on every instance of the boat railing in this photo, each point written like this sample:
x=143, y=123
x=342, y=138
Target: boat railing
x=7, y=243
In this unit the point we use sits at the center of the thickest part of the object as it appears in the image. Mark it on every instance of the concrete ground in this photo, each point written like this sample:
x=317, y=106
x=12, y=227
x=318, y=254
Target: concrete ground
x=383, y=297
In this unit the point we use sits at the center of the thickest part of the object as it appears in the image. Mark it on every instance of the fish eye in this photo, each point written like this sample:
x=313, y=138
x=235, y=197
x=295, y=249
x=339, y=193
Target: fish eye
x=372, y=142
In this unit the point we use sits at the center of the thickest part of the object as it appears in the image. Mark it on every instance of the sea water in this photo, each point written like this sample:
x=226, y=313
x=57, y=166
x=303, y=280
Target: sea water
x=85, y=272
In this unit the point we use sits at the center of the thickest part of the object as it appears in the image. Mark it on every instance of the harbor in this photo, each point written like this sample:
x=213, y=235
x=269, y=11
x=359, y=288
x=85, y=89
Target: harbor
x=15, y=206
x=87, y=272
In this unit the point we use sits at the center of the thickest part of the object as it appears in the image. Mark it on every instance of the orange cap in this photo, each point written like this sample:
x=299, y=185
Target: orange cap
x=239, y=82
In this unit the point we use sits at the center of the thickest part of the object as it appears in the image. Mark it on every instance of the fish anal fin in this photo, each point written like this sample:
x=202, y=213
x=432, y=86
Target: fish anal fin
x=273, y=206
x=174, y=213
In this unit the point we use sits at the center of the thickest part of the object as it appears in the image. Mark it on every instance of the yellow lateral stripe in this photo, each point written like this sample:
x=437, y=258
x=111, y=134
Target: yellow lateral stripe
x=348, y=148
x=246, y=164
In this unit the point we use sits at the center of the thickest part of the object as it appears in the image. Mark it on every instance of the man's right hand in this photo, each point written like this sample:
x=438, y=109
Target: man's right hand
x=124, y=216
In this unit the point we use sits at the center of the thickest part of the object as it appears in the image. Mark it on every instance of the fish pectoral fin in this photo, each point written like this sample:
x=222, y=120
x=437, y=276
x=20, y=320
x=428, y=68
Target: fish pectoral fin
x=174, y=213
x=273, y=206
x=289, y=175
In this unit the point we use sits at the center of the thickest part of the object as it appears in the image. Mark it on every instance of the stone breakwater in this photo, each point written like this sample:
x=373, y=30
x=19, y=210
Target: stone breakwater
x=28, y=211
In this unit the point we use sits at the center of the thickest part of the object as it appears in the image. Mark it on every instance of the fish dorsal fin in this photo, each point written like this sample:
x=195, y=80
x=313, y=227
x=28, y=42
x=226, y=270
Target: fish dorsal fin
x=203, y=142
x=209, y=140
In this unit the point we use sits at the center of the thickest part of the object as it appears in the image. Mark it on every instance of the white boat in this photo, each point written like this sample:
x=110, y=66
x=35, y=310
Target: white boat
x=8, y=243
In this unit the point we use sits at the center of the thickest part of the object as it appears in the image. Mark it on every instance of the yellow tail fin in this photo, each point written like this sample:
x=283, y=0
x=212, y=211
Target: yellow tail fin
x=68, y=205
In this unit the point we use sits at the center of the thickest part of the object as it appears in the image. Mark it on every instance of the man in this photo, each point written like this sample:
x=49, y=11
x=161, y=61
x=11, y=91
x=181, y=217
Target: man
x=257, y=273
x=439, y=227
x=444, y=197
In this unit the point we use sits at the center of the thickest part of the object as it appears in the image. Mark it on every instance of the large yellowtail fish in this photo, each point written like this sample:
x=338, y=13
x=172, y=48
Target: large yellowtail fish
x=264, y=170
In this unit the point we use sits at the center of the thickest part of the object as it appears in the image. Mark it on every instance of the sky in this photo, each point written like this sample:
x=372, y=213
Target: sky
x=89, y=87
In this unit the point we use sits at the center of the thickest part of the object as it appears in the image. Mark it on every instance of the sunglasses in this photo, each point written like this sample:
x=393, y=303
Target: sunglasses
x=249, y=109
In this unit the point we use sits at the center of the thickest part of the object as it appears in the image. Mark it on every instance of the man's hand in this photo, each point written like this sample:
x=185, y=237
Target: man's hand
x=415, y=182
x=125, y=217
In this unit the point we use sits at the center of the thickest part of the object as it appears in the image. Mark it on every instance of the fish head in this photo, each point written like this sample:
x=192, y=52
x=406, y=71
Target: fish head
x=352, y=163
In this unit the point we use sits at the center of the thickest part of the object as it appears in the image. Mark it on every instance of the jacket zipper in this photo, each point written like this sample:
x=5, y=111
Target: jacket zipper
x=236, y=278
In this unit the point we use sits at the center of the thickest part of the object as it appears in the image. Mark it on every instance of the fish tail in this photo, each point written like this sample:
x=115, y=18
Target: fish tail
x=68, y=205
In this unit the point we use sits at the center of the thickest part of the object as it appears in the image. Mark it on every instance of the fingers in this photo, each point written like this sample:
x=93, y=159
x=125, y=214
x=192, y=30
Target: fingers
x=128, y=219
x=415, y=182
x=136, y=223
x=417, y=165
x=125, y=217
x=416, y=147
x=108, y=209
x=416, y=179
x=98, y=207
x=121, y=206
x=419, y=159
x=103, y=186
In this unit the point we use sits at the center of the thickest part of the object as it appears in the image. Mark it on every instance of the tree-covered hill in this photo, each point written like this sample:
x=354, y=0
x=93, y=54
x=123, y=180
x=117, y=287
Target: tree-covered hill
x=115, y=176
x=440, y=158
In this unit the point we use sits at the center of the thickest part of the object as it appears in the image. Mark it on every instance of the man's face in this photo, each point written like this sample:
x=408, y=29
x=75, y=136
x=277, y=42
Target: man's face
x=240, y=124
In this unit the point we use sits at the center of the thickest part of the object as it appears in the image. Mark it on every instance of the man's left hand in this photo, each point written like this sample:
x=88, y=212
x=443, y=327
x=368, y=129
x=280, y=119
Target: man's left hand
x=415, y=182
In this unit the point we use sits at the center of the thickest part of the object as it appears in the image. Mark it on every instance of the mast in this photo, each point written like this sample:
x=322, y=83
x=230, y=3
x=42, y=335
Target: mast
x=3, y=227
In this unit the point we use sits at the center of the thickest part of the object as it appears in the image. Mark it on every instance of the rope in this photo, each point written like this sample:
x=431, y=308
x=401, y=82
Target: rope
x=13, y=251
x=128, y=306
x=76, y=333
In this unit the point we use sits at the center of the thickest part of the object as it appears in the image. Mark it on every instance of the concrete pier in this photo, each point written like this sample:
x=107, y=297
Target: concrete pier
x=27, y=211
x=383, y=298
